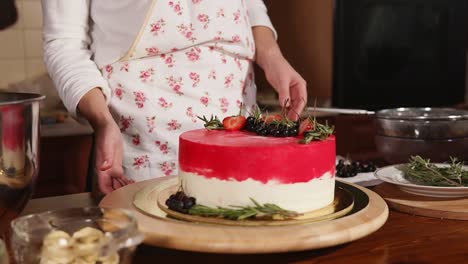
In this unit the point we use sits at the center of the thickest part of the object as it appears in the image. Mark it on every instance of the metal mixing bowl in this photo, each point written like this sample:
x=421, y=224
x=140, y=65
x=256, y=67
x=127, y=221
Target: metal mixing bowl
x=422, y=123
x=434, y=133
x=19, y=134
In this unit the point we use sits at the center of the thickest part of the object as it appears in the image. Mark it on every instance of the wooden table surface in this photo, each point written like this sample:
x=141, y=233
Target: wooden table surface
x=403, y=239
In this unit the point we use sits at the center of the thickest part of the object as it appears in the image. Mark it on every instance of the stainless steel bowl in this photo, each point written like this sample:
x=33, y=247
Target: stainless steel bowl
x=422, y=123
x=434, y=133
x=19, y=134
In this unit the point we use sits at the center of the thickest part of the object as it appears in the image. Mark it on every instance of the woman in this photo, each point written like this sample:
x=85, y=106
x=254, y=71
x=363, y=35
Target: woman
x=142, y=71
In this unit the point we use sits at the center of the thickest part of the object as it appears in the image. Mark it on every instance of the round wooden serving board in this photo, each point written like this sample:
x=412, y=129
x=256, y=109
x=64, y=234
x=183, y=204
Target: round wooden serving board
x=448, y=208
x=369, y=213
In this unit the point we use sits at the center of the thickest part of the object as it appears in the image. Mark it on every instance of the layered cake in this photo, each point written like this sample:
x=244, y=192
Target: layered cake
x=230, y=168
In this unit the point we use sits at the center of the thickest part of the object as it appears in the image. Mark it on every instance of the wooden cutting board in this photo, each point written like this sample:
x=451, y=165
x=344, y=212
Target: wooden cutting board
x=203, y=237
x=455, y=208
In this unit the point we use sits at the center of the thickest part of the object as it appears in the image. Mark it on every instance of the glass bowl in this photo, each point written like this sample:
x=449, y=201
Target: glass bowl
x=76, y=235
x=397, y=150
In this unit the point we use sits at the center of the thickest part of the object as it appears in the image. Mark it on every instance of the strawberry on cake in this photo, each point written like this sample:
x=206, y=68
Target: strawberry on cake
x=253, y=161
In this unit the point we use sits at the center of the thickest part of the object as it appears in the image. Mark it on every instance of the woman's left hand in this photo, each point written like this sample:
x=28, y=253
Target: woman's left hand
x=290, y=86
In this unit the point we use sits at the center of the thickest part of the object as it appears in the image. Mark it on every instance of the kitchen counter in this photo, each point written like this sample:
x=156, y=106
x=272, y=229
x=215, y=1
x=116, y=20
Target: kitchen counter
x=403, y=239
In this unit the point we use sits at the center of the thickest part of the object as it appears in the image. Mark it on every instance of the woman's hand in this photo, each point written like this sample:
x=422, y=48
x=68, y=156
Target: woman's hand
x=109, y=156
x=109, y=142
x=290, y=86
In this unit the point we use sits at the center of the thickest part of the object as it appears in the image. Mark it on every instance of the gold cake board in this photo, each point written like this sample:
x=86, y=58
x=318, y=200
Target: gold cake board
x=369, y=213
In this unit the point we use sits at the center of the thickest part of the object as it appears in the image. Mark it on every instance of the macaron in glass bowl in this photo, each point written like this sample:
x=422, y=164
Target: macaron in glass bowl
x=76, y=235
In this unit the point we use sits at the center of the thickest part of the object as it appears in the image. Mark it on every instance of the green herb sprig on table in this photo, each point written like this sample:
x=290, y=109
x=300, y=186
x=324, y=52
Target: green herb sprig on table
x=318, y=132
x=422, y=171
x=265, y=211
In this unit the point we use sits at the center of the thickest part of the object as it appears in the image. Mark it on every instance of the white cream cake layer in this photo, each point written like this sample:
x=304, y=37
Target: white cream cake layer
x=298, y=197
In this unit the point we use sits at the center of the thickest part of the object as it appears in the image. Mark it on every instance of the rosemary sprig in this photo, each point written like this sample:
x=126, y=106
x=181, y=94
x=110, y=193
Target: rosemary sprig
x=422, y=171
x=256, y=113
x=265, y=211
x=213, y=124
x=285, y=121
x=319, y=132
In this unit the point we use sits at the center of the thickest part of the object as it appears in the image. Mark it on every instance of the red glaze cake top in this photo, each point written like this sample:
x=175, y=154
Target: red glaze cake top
x=243, y=155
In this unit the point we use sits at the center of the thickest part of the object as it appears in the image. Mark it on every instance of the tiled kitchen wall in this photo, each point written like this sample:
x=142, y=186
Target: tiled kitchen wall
x=21, y=45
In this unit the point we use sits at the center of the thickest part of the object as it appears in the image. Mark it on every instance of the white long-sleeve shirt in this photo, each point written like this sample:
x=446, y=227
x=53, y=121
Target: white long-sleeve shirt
x=82, y=36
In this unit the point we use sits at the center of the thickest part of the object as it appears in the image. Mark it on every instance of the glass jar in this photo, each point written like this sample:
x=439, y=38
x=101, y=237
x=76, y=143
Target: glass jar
x=76, y=235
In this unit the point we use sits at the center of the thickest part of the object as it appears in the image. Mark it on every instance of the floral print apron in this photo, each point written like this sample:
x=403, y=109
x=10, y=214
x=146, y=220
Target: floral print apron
x=191, y=58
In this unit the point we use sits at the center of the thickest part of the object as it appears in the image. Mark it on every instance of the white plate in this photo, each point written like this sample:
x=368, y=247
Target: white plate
x=393, y=175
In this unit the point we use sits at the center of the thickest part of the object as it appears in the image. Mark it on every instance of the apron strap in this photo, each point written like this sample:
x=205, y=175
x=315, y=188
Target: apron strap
x=131, y=51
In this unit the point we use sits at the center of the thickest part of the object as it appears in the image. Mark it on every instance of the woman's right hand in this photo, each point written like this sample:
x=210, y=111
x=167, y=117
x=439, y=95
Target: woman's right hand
x=109, y=142
x=109, y=156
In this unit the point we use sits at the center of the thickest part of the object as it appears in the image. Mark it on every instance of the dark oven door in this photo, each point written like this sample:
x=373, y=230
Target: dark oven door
x=391, y=53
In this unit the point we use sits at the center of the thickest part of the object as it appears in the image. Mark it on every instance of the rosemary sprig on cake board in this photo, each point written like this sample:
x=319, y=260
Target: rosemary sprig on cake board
x=182, y=203
x=258, y=211
x=422, y=171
